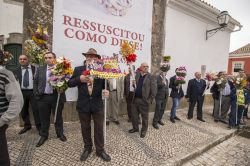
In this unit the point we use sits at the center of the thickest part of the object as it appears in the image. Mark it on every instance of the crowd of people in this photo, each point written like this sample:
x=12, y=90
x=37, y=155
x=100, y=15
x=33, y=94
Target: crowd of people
x=28, y=85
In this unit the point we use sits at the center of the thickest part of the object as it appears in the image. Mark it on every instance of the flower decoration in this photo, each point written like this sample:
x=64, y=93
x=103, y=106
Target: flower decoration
x=5, y=57
x=221, y=82
x=36, y=47
x=239, y=82
x=210, y=76
x=60, y=74
x=86, y=72
x=181, y=73
x=128, y=52
x=165, y=65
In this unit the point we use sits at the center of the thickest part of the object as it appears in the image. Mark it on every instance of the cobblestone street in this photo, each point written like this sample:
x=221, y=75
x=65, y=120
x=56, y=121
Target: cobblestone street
x=165, y=146
x=234, y=151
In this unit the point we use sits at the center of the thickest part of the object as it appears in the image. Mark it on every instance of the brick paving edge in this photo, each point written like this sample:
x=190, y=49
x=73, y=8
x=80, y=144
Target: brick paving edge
x=183, y=158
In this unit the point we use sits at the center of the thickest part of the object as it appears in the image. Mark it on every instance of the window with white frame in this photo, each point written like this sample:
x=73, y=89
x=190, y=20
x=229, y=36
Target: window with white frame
x=238, y=65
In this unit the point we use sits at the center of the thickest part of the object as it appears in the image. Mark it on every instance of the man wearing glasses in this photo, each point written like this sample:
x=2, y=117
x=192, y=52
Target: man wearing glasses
x=47, y=98
x=144, y=94
x=25, y=75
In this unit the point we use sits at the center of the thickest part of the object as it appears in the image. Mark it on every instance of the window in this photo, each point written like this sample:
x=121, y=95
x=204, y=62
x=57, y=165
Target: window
x=237, y=66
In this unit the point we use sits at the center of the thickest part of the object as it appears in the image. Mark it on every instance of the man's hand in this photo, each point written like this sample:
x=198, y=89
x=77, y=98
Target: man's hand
x=105, y=93
x=84, y=78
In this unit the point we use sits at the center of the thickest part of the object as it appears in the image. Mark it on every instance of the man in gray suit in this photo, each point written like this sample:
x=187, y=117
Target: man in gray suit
x=115, y=97
x=144, y=94
x=161, y=98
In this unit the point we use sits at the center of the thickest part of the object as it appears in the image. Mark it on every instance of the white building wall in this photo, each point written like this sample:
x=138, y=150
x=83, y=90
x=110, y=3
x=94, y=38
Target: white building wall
x=11, y=17
x=186, y=43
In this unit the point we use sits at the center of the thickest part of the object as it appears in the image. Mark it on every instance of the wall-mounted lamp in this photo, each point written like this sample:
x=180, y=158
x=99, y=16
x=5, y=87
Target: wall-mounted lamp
x=223, y=20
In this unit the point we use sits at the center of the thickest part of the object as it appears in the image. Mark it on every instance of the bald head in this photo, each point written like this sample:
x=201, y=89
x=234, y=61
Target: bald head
x=144, y=68
x=197, y=75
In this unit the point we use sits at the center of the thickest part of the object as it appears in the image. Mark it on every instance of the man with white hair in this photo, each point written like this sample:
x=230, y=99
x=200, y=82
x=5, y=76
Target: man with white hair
x=195, y=91
x=144, y=94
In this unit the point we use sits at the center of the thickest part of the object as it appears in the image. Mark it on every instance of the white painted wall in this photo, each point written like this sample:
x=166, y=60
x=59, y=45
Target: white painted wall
x=186, y=43
x=11, y=17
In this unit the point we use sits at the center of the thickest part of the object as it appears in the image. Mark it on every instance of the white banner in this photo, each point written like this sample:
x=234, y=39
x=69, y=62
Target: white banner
x=102, y=25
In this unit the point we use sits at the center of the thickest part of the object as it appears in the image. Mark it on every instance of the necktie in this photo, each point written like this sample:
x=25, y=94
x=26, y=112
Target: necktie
x=26, y=78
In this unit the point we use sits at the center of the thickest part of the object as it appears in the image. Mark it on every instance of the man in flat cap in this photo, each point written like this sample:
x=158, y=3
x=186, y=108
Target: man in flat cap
x=89, y=104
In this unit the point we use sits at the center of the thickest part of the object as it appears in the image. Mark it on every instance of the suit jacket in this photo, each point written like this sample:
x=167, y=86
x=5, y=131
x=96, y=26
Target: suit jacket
x=39, y=83
x=149, y=87
x=18, y=73
x=162, y=89
x=119, y=88
x=192, y=89
x=85, y=102
x=175, y=93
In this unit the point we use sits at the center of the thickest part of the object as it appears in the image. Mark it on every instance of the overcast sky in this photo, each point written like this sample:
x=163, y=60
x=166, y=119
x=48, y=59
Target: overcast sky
x=239, y=10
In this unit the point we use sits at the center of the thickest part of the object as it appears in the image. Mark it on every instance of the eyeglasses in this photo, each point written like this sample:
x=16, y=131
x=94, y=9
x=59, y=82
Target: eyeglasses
x=48, y=57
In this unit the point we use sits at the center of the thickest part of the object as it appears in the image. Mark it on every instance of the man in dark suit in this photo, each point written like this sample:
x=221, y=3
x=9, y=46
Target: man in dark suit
x=144, y=94
x=47, y=98
x=161, y=98
x=176, y=94
x=25, y=75
x=89, y=103
x=195, y=90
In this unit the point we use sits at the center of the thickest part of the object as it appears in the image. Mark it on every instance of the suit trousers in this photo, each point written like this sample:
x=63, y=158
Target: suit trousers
x=159, y=110
x=4, y=154
x=129, y=100
x=85, y=120
x=199, y=100
x=112, y=113
x=140, y=106
x=225, y=105
x=47, y=104
x=29, y=98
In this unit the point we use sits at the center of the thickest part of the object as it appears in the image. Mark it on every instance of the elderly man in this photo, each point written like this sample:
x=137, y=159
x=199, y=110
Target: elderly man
x=11, y=104
x=90, y=104
x=144, y=94
x=195, y=90
x=25, y=75
x=47, y=98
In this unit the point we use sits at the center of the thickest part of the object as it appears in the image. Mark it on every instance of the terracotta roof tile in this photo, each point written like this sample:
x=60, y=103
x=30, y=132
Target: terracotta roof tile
x=243, y=50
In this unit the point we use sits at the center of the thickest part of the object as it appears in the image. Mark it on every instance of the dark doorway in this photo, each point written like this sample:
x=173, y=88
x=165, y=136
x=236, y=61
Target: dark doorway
x=16, y=51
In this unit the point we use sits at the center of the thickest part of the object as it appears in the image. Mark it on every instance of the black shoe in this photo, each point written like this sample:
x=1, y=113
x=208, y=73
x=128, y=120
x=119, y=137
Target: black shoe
x=133, y=131
x=41, y=141
x=161, y=123
x=104, y=156
x=223, y=121
x=85, y=155
x=117, y=122
x=172, y=120
x=216, y=120
x=107, y=123
x=176, y=118
x=62, y=138
x=24, y=130
x=201, y=120
x=143, y=134
x=189, y=118
x=155, y=126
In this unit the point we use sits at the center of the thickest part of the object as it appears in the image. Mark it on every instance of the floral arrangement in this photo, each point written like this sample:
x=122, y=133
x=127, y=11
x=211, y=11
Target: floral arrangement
x=116, y=7
x=37, y=46
x=181, y=73
x=128, y=52
x=60, y=74
x=239, y=82
x=165, y=65
x=210, y=77
x=106, y=68
x=5, y=57
x=221, y=82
